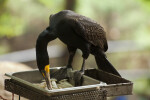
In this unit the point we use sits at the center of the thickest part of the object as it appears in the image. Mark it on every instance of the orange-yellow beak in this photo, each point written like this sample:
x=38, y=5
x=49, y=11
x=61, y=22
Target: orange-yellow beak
x=47, y=77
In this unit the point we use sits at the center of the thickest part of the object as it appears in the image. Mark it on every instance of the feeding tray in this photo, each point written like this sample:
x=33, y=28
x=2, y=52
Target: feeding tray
x=21, y=83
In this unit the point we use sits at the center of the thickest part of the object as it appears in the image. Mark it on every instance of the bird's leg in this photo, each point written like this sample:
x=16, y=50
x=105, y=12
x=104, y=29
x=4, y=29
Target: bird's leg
x=78, y=75
x=85, y=56
x=65, y=72
x=71, y=55
x=72, y=52
x=82, y=67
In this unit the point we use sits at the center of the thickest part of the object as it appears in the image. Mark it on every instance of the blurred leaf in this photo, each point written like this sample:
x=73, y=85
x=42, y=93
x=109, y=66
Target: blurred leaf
x=10, y=25
x=145, y=4
x=142, y=86
x=53, y=5
x=2, y=4
x=142, y=36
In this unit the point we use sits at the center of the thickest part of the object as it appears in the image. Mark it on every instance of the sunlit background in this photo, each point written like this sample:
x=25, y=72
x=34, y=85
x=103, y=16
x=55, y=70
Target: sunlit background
x=126, y=22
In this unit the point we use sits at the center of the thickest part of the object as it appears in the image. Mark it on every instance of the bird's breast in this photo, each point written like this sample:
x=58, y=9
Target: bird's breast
x=71, y=39
x=68, y=35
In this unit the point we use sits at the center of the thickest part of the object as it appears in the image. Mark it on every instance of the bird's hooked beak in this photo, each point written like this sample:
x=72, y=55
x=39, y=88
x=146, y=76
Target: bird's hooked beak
x=46, y=75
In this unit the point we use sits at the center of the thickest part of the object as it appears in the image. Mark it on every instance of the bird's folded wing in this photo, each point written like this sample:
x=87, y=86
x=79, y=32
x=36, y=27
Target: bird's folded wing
x=89, y=30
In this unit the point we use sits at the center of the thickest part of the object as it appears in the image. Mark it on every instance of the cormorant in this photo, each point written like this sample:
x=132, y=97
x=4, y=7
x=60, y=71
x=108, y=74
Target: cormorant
x=77, y=32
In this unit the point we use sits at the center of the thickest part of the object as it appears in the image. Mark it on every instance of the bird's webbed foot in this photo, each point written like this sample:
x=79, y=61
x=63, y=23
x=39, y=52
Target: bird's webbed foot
x=78, y=78
x=69, y=69
x=60, y=74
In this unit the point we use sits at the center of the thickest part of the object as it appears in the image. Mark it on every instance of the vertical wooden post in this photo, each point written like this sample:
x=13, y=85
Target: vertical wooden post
x=70, y=4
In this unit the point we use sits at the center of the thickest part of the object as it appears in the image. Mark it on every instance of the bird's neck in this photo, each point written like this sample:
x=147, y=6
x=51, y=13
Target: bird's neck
x=41, y=46
x=41, y=53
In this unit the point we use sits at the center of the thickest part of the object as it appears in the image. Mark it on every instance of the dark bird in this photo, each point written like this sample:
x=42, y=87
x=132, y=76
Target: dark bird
x=77, y=32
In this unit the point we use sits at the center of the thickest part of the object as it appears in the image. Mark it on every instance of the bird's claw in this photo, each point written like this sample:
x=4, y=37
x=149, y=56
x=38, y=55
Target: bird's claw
x=69, y=70
x=64, y=73
x=78, y=79
x=60, y=74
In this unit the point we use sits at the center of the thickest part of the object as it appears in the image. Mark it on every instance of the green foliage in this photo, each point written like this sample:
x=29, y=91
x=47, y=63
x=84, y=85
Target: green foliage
x=128, y=18
x=10, y=25
x=143, y=37
x=145, y=4
x=2, y=4
x=142, y=86
x=53, y=5
x=15, y=17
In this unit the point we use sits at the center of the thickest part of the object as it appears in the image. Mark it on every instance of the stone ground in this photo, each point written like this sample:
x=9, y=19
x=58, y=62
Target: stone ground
x=7, y=67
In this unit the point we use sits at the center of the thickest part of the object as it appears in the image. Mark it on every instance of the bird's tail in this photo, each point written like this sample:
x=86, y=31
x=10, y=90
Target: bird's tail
x=104, y=64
